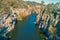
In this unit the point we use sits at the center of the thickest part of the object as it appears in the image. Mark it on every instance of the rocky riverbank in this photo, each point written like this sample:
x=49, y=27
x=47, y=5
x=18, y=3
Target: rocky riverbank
x=47, y=23
x=47, y=16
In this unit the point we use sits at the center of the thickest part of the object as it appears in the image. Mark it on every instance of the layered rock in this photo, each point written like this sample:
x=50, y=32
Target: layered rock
x=47, y=23
x=8, y=22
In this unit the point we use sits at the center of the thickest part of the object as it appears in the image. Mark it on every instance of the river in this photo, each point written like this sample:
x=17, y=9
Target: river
x=25, y=29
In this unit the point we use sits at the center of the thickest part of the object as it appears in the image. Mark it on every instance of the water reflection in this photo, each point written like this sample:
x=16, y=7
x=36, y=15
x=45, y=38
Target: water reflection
x=27, y=32
x=25, y=29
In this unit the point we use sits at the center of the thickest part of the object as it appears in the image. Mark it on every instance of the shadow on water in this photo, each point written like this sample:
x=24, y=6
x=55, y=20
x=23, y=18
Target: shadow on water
x=25, y=29
x=58, y=29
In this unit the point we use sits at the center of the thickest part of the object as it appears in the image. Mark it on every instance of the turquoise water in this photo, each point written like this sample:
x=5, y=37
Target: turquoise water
x=27, y=29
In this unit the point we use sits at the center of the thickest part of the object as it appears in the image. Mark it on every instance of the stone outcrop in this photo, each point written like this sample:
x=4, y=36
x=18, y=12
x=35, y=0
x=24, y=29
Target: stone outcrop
x=8, y=22
x=47, y=22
